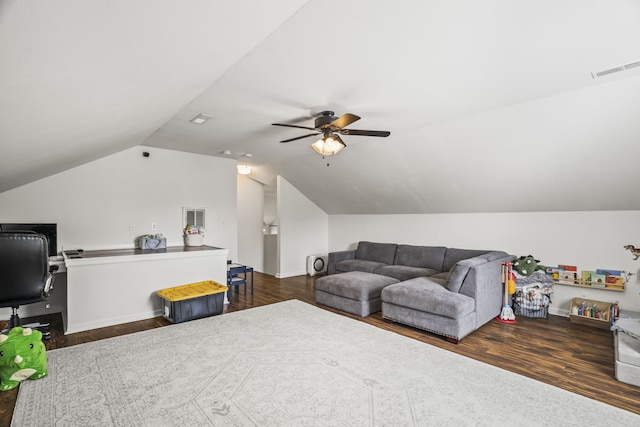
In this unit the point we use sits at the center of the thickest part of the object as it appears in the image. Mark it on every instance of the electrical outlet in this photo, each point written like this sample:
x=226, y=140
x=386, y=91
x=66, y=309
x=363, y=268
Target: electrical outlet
x=131, y=227
x=153, y=226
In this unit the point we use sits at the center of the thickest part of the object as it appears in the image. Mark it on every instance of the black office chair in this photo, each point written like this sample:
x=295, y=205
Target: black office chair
x=25, y=275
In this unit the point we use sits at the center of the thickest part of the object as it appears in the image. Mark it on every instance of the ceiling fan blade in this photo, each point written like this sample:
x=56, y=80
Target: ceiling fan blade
x=292, y=126
x=345, y=120
x=364, y=132
x=300, y=137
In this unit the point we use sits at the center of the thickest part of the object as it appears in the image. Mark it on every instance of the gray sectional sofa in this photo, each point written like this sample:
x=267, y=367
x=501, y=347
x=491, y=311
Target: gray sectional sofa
x=447, y=291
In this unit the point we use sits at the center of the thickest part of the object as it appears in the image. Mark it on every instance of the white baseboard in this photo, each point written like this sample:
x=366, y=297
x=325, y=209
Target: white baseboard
x=290, y=274
x=85, y=326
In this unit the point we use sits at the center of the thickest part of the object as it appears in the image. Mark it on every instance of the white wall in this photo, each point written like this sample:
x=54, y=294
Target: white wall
x=109, y=202
x=95, y=204
x=303, y=230
x=250, y=218
x=589, y=240
x=270, y=208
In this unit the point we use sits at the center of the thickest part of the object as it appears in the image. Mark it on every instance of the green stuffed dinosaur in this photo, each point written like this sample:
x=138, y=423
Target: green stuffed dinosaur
x=22, y=355
x=526, y=265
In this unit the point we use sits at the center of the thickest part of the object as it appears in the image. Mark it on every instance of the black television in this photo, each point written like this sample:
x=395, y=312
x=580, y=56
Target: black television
x=50, y=231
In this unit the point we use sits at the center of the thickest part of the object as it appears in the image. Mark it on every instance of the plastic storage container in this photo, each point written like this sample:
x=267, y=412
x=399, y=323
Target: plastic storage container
x=193, y=301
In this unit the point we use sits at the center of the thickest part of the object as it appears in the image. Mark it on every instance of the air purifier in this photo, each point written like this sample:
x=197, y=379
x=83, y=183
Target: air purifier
x=316, y=264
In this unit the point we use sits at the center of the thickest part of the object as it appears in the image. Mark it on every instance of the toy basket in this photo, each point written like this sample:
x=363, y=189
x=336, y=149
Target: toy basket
x=537, y=308
x=193, y=239
x=152, y=243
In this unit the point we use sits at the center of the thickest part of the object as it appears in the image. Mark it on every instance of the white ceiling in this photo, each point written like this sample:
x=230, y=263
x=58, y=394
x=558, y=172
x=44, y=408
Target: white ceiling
x=491, y=105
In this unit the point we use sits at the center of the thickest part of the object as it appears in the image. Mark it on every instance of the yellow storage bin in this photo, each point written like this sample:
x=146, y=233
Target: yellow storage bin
x=192, y=301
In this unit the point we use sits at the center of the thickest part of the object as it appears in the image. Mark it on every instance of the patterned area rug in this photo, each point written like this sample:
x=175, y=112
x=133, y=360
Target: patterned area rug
x=289, y=364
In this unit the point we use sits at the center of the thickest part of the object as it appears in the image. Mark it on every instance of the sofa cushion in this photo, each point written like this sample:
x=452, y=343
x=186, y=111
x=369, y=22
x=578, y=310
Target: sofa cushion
x=459, y=271
x=357, y=265
x=442, y=276
x=420, y=256
x=425, y=294
x=454, y=255
x=403, y=272
x=355, y=285
x=377, y=252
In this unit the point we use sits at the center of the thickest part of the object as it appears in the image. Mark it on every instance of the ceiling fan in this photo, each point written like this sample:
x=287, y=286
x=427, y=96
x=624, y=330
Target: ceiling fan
x=329, y=126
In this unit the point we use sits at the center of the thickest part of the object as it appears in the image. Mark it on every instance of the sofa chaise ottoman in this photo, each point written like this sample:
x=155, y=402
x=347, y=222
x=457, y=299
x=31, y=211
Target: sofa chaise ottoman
x=356, y=292
x=425, y=303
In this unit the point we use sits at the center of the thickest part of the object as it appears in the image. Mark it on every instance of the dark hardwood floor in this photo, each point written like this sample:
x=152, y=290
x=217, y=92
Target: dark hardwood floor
x=574, y=357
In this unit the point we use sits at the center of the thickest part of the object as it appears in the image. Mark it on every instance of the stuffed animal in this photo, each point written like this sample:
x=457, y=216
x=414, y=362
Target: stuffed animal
x=526, y=265
x=22, y=355
x=634, y=251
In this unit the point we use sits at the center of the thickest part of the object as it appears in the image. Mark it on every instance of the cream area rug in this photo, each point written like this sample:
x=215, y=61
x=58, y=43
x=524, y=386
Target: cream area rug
x=289, y=364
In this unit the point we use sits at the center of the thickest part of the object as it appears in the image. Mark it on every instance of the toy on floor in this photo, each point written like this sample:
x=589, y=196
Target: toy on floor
x=22, y=355
x=509, y=282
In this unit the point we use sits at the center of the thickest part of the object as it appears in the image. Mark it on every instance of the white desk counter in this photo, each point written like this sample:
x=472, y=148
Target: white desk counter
x=110, y=287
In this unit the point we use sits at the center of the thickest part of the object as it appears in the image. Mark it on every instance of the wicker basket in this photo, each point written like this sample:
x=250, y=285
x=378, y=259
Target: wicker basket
x=193, y=239
x=526, y=312
x=537, y=308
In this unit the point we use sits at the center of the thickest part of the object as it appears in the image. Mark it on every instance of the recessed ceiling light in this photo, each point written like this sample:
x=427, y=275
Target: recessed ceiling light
x=226, y=152
x=200, y=119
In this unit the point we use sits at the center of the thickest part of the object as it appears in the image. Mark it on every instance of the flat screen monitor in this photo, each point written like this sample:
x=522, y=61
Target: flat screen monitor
x=50, y=231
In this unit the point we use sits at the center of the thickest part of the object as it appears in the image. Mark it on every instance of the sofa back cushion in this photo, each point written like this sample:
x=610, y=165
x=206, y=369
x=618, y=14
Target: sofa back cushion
x=358, y=265
x=494, y=255
x=459, y=272
x=460, y=269
x=378, y=252
x=454, y=255
x=420, y=256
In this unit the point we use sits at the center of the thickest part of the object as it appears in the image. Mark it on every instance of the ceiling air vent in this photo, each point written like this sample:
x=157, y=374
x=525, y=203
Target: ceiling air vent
x=597, y=75
x=632, y=65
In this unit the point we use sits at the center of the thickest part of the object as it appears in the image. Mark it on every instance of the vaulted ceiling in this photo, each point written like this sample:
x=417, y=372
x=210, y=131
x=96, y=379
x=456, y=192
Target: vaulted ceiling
x=492, y=106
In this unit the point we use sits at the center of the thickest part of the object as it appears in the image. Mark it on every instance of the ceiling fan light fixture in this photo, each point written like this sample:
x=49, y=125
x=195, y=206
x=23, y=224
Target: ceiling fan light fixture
x=328, y=145
x=329, y=127
x=244, y=169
